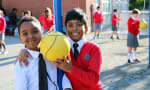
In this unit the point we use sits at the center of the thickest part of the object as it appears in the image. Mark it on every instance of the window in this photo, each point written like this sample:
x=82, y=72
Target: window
x=106, y=4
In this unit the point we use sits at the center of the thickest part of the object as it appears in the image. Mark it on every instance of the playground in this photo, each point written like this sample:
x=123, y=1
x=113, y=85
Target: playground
x=116, y=73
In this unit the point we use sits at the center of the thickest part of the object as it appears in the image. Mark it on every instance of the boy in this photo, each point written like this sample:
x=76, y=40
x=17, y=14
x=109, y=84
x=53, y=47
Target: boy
x=40, y=74
x=97, y=20
x=114, y=24
x=133, y=31
x=85, y=56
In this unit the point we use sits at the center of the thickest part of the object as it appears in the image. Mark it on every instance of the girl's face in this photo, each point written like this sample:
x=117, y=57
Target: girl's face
x=75, y=29
x=31, y=35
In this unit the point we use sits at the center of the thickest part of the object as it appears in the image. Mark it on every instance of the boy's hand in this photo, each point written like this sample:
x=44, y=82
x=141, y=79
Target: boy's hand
x=65, y=65
x=22, y=57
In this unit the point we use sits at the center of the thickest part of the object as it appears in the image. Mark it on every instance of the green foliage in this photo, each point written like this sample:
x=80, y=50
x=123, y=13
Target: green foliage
x=138, y=4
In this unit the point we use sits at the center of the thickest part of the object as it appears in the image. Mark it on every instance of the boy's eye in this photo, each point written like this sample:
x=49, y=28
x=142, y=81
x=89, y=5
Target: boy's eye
x=79, y=25
x=70, y=25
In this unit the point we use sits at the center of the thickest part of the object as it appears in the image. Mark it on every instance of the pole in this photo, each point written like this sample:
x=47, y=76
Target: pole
x=149, y=35
x=57, y=7
x=98, y=2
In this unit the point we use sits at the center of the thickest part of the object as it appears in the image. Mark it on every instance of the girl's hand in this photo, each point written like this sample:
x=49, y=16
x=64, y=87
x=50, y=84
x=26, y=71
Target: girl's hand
x=22, y=57
x=65, y=65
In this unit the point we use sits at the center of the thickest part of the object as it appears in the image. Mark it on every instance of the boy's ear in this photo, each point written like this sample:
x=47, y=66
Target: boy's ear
x=86, y=29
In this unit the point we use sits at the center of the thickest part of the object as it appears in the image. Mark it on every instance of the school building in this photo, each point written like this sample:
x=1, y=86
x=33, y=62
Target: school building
x=89, y=6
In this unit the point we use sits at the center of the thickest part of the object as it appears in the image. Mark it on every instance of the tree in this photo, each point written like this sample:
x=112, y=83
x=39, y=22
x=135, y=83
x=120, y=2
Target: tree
x=139, y=4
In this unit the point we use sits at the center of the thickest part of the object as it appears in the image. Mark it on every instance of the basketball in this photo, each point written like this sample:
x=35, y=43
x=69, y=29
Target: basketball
x=143, y=24
x=54, y=45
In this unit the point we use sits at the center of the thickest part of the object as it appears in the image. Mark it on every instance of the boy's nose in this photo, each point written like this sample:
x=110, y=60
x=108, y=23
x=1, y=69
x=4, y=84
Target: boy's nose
x=74, y=27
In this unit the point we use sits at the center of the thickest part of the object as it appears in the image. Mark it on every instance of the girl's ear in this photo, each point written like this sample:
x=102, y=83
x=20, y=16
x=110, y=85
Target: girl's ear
x=86, y=29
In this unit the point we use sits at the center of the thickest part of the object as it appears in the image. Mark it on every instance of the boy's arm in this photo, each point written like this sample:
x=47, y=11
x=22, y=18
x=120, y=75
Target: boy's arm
x=22, y=57
x=20, y=79
x=66, y=85
x=92, y=75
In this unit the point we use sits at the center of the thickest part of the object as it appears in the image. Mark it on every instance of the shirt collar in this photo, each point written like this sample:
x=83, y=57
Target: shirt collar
x=80, y=43
x=133, y=18
x=98, y=12
x=34, y=54
x=115, y=13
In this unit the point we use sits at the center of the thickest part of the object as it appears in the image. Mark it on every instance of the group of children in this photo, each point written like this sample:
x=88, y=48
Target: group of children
x=80, y=71
x=133, y=30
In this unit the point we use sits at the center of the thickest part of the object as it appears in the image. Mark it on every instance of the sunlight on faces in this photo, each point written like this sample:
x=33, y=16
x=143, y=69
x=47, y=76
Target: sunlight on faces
x=31, y=34
x=75, y=29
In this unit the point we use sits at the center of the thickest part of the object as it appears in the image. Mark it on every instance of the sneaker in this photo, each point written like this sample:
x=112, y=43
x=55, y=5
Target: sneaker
x=118, y=38
x=98, y=36
x=111, y=37
x=94, y=37
x=136, y=61
x=5, y=52
x=129, y=61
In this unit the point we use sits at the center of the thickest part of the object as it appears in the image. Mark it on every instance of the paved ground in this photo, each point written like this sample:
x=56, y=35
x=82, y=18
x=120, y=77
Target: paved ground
x=116, y=74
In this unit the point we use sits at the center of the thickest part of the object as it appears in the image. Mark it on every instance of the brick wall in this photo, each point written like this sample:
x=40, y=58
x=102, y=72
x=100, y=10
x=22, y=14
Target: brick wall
x=37, y=6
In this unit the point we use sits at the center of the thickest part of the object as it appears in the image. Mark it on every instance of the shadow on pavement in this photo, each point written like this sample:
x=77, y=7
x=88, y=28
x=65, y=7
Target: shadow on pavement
x=10, y=40
x=7, y=60
x=124, y=76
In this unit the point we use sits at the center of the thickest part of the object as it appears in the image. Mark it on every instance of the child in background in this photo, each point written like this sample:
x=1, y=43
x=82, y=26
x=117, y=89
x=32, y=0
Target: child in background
x=2, y=34
x=27, y=13
x=47, y=19
x=97, y=20
x=133, y=31
x=40, y=74
x=114, y=24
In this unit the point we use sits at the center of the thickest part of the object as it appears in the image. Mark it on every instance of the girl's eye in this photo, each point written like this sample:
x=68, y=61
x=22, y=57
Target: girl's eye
x=24, y=34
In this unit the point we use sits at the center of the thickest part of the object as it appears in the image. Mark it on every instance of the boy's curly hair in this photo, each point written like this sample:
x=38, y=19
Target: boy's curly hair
x=76, y=14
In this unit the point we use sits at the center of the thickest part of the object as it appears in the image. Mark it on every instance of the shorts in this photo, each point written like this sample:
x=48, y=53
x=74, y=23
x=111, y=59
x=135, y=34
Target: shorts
x=132, y=40
x=2, y=36
x=114, y=28
x=97, y=26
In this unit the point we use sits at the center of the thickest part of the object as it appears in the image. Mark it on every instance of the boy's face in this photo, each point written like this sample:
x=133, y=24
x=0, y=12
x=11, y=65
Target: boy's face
x=135, y=15
x=75, y=29
x=30, y=35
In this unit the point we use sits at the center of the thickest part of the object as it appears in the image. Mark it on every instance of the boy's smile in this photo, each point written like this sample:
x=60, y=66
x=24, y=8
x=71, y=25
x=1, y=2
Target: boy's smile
x=30, y=35
x=75, y=29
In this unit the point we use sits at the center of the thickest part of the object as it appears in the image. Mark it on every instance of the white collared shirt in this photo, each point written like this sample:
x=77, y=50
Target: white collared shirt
x=27, y=77
x=133, y=18
x=80, y=43
x=98, y=12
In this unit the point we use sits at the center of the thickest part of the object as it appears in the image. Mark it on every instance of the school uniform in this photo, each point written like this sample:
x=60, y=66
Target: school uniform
x=85, y=74
x=27, y=77
x=115, y=22
x=2, y=28
x=47, y=22
x=133, y=31
x=98, y=20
